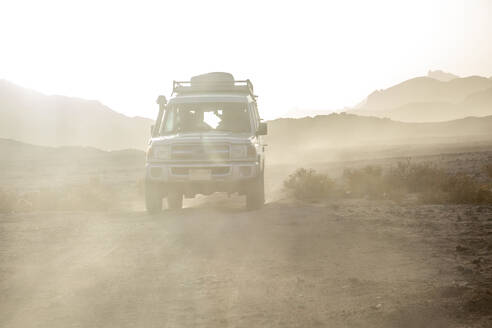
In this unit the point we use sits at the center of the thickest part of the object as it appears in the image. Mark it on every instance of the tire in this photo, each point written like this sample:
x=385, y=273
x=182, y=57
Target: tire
x=174, y=200
x=153, y=198
x=255, y=195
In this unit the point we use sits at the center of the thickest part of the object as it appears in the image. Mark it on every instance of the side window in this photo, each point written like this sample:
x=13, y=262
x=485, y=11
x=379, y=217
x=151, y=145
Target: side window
x=168, y=123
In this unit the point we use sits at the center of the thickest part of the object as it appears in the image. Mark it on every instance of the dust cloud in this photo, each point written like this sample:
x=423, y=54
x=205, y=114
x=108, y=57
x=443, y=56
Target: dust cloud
x=368, y=222
x=85, y=245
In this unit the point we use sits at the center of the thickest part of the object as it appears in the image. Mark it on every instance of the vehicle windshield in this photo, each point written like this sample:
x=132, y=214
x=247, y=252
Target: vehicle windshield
x=204, y=117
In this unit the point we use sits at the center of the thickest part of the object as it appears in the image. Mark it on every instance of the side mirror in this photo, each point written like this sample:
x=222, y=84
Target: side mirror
x=262, y=129
x=152, y=129
x=161, y=100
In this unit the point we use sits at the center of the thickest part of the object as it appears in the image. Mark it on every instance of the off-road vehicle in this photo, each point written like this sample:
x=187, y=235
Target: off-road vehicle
x=206, y=139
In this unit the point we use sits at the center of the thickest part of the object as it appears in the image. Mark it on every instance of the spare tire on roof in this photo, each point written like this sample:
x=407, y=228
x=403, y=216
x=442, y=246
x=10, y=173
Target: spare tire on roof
x=221, y=78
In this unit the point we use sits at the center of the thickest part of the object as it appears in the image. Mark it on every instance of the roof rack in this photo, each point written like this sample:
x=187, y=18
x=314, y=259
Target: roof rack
x=225, y=85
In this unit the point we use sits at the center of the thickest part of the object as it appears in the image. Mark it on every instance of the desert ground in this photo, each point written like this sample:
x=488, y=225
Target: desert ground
x=354, y=262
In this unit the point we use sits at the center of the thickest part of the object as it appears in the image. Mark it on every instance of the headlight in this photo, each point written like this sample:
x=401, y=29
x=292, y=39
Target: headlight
x=161, y=152
x=242, y=151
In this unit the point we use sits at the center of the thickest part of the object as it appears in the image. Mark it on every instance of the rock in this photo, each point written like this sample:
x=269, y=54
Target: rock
x=377, y=306
x=460, y=248
x=478, y=261
x=464, y=270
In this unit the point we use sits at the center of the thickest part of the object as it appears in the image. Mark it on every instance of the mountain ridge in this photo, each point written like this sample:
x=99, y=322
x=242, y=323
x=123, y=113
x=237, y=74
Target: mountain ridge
x=52, y=120
x=424, y=98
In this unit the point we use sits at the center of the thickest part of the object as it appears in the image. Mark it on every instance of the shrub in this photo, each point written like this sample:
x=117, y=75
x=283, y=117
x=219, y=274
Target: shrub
x=307, y=184
x=412, y=177
x=428, y=182
x=366, y=181
x=394, y=184
x=462, y=189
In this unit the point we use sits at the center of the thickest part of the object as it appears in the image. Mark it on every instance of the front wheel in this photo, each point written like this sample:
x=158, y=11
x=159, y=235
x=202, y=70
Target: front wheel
x=255, y=195
x=174, y=200
x=153, y=198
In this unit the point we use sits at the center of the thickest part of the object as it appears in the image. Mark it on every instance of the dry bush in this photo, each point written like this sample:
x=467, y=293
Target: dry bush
x=428, y=182
x=415, y=177
x=396, y=182
x=462, y=189
x=307, y=184
x=434, y=185
x=365, y=181
x=458, y=189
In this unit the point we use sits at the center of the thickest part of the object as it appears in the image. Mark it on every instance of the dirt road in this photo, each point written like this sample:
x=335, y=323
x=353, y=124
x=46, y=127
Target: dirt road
x=287, y=265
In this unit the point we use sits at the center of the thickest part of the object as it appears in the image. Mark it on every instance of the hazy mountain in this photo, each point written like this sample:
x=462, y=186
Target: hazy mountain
x=329, y=133
x=13, y=151
x=441, y=76
x=29, y=167
x=425, y=89
x=347, y=129
x=477, y=104
x=32, y=117
x=425, y=99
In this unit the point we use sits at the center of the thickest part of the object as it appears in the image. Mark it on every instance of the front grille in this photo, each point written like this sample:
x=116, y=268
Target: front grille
x=208, y=152
x=219, y=170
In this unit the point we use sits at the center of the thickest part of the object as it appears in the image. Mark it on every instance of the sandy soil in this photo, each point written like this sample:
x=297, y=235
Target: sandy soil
x=355, y=264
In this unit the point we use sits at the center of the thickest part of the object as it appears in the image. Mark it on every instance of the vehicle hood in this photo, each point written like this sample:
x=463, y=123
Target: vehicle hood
x=205, y=137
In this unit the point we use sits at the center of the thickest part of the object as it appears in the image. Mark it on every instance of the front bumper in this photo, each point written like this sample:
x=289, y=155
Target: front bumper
x=225, y=177
x=220, y=172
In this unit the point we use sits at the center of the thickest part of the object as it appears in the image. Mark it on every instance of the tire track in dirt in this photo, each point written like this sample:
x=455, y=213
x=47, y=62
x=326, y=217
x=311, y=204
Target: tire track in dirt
x=289, y=264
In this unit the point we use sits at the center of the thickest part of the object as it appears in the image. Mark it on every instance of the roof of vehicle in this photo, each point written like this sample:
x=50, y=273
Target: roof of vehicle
x=214, y=83
x=210, y=97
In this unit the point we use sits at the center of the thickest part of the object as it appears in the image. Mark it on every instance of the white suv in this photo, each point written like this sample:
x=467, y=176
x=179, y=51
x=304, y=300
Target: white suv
x=207, y=139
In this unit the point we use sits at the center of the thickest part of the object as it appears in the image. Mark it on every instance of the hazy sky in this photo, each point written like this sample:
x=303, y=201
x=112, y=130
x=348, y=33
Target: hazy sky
x=303, y=55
